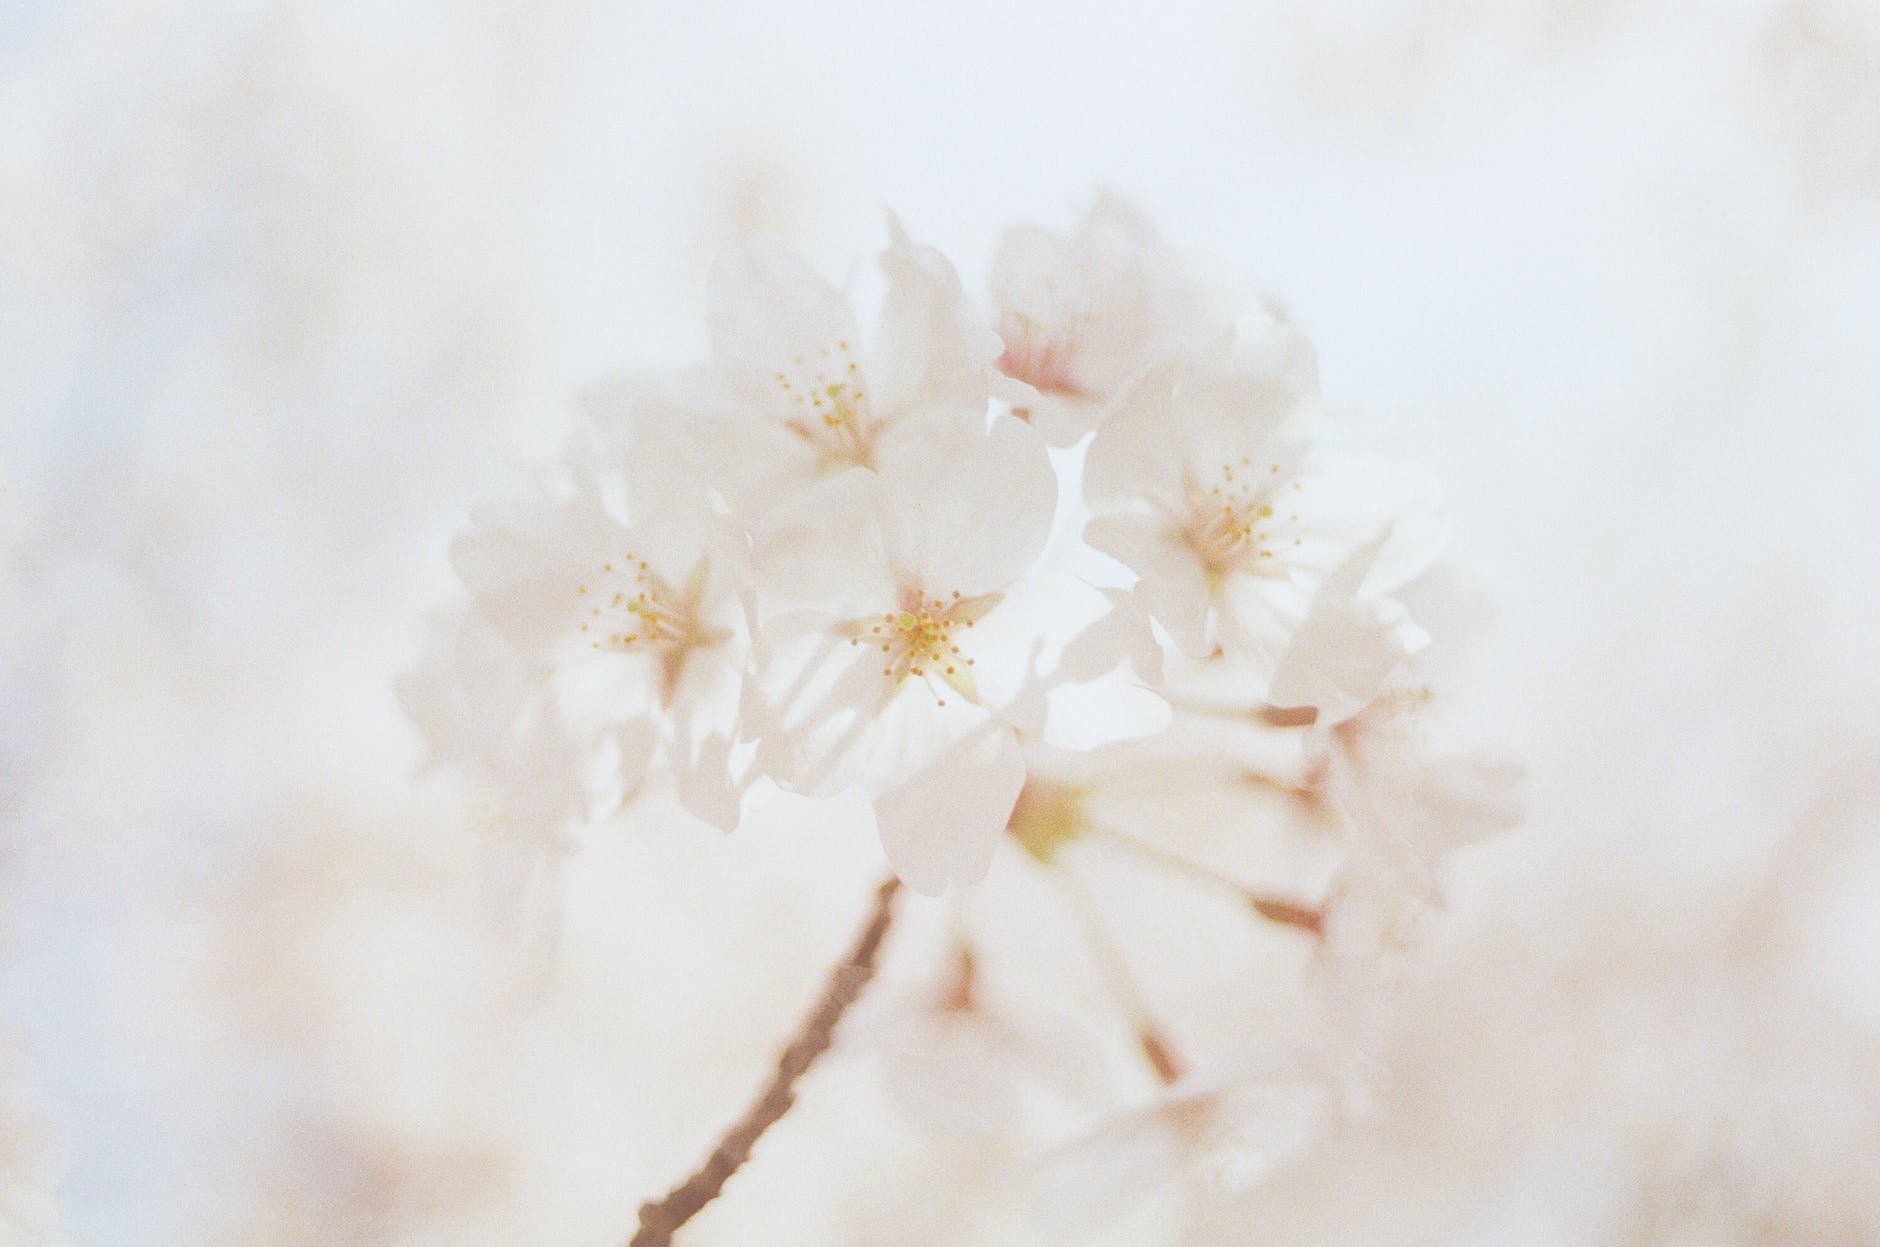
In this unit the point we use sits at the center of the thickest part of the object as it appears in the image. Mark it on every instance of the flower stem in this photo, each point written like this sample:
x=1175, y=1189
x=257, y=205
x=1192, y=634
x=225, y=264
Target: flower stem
x=1114, y=967
x=1272, y=906
x=660, y=1220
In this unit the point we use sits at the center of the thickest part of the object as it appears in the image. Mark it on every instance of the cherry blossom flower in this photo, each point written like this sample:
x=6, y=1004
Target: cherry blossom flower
x=637, y=630
x=902, y=647
x=841, y=563
x=479, y=702
x=1082, y=316
x=1221, y=1130
x=1202, y=484
x=1408, y=798
x=795, y=389
x=958, y=1057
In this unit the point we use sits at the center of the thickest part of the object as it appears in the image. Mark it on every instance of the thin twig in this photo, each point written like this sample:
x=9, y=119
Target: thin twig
x=660, y=1220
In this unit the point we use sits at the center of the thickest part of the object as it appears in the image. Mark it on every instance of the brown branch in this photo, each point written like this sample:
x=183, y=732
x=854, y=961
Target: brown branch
x=661, y=1220
x=1288, y=912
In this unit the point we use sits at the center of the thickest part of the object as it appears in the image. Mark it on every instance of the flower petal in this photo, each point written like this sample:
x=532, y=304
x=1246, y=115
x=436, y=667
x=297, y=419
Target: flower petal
x=767, y=310
x=811, y=704
x=526, y=564
x=1051, y=658
x=822, y=550
x=1346, y=649
x=1171, y=584
x=948, y=776
x=931, y=348
x=972, y=512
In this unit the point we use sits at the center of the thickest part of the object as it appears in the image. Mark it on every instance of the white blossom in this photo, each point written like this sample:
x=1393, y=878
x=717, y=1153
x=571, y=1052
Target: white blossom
x=636, y=629
x=826, y=563
x=1203, y=484
x=1082, y=316
x=794, y=394
x=1223, y=1130
x=901, y=647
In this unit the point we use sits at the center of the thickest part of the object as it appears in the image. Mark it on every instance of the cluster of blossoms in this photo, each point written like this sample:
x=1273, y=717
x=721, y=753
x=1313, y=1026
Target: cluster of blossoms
x=1073, y=573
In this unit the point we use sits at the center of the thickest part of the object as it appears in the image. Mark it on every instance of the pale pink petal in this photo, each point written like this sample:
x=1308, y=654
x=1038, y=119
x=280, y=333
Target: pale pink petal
x=1172, y=586
x=822, y=549
x=1347, y=647
x=948, y=776
x=768, y=310
x=527, y=565
x=812, y=702
x=931, y=348
x=973, y=513
x=1051, y=659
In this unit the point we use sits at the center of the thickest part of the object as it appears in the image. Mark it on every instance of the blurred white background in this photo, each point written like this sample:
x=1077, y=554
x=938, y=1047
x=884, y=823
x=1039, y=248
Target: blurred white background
x=285, y=286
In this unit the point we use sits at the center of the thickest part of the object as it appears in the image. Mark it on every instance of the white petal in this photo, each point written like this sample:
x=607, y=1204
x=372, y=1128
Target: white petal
x=812, y=703
x=822, y=549
x=525, y=564
x=973, y=512
x=1180, y=426
x=706, y=785
x=634, y=742
x=1347, y=648
x=1061, y=420
x=1135, y=455
x=948, y=777
x=1340, y=661
x=1050, y=658
x=1259, y=615
x=768, y=309
x=682, y=449
x=1345, y=503
x=1101, y=712
x=1172, y=585
x=931, y=348
x=1083, y=316
x=468, y=692
x=1121, y=634
x=540, y=780
x=1014, y=653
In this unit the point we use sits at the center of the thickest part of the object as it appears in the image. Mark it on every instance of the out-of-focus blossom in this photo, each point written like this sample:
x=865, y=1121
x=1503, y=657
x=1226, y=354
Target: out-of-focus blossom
x=1220, y=1131
x=1082, y=316
x=958, y=1057
x=638, y=629
x=793, y=394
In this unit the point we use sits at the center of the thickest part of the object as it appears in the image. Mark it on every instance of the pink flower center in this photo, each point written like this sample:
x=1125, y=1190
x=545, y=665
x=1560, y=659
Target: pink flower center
x=1041, y=359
